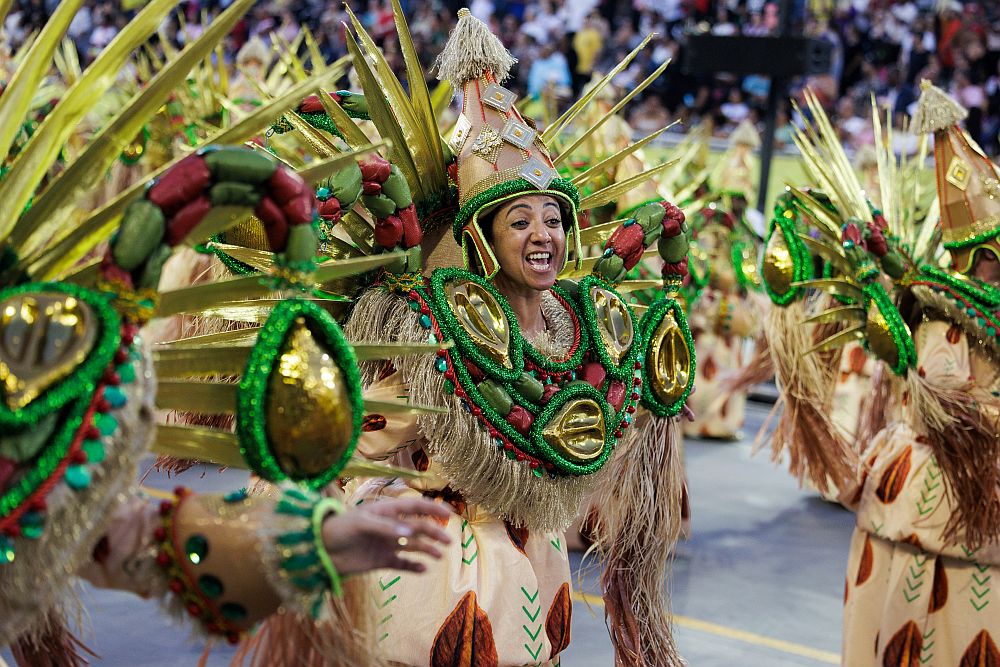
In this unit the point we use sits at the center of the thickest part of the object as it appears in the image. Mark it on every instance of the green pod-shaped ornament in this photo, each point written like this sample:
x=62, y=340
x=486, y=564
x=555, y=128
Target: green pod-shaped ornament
x=673, y=249
x=397, y=189
x=150, y=278
x=609, y=267
x=354, y=104
x=239, y=164
x=380, y=206
x=302, y=243
x=893, y=265
x=140, y=232
x=496, y=397
x=229, y=193
x=345, y=185
x=530, y=387
x=652, y=236
x=650, y=216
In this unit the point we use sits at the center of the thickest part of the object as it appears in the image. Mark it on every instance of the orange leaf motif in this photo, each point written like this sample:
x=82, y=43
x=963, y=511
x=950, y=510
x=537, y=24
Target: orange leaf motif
x=903, y=650
x=518, y=536
x=709, y=368
x=894, y=477
x=856, y=360
x=466, y=638
x=982, y=652
x=559, y=621
x=939, y=593
x=954, y=334
x=865, y=567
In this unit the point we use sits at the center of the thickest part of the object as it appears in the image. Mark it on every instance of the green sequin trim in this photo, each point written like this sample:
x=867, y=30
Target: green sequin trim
x=647, y=327
x=82, y=381
x=251, y=413
x=801, y=258
x=559, y=187
x=975, y=240
x=905, y=348
x=974, y=290
x=626, y=369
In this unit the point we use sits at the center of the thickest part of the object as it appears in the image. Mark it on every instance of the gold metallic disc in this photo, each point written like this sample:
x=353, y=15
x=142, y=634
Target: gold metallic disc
x=577, y=430
x=480, y=315
x=668, y=361
x=613, y=322
x=779, y=271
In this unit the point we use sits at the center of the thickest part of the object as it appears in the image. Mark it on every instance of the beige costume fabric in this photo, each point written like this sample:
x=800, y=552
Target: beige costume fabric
x=910, y=598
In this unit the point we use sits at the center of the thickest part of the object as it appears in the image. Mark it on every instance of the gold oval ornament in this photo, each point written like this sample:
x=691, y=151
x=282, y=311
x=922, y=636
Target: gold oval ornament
x=614, y=322
x=482, y=318
x=577, y=430
x=668, y=361
x=43, y=338
x=880, y=339
x=779, y=269
x=309, y=415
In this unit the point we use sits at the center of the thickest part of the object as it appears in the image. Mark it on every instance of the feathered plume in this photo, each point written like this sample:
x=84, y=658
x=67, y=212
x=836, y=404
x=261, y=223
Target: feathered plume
x=471, y=51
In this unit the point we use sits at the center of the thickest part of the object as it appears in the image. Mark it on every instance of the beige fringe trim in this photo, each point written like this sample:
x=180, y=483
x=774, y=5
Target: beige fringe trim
x=477, y=468
x=471, y=51
x=638, y=520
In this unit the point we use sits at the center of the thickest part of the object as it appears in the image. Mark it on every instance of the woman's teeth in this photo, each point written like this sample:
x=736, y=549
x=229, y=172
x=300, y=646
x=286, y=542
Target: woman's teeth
x=539, y=261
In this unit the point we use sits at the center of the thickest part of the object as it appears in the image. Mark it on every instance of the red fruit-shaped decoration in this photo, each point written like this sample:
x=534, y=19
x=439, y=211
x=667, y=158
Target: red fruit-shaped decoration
x=594, y=374
x=375, y=169
x=179, y=185
x=851, y=233
x=676, y=268
x=453, y=171
x=876, y=242
x=330, y=210
x=616, y=395
x=270, y=213
x=672, y=219
x=520, y=419
x=371, y=188
x=549, y=391
x=311, y=104
x=186, y=219
x=285, y=184
x=389, y=232
x=299, y=210
x=412, y=234
x=627, y=243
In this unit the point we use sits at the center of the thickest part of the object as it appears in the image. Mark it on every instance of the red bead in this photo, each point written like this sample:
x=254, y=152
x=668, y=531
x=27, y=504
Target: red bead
x=128, y=336
x=459, y=392
x=121, y=355
x=449, y=375
x=160, y=533
x=194, y=609
x=166, y=507
x=38, y=505
x=508, y=446
x=424, y=310
x=635, y=396
x=549, y=466
x=78, y=456
x=533, y=464
x=630, y=409
x=91, y=432
x=618, y=433
x=111, y=377
x=493, y=432
x=162, y=559
x=520, y=456
x=176, y=586
x=213, y=628
x=624, y=425
x=414, y=296
x=181, y=491
x=233, y=637
x=102, y=405
x=638, y=365
x=637, y=382
x=477, y=411
x=14, y=530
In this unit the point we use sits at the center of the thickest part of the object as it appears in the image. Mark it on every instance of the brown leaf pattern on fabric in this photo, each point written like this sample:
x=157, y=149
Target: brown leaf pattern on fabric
x=559, y=621
x=518, y=536
x=982, y=652
x=939, y=593
x=466, y=638
x=867, y=559
x=912, y=539
x=864, y=479
x=709, y=368
x=856, y=360
x=954, y=334
x=894, y=477
x=420, y=460
x=903, y=650
x=847, y=585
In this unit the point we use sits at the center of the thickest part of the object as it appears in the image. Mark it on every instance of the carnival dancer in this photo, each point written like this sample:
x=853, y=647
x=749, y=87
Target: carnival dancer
x=543, y=378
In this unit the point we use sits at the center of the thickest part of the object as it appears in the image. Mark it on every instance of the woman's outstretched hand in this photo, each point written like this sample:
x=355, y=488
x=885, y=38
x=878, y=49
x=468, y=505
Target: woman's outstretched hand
x=374, y=535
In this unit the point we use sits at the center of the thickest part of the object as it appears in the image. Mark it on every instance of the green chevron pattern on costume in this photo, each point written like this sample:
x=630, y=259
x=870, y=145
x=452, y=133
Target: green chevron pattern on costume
x=532, y=626
x=926, y=655
x=980, y=587
x=929, y=497
x=915, y=577
x=383, y=598
x=470, y=547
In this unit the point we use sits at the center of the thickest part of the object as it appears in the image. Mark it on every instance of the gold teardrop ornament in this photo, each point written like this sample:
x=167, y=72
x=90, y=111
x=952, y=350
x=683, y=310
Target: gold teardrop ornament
x=779, y=269
x=614, y=322
x=669, y=361
x=44, y=337
x=299, y=406
x=482, y=318
x=577, y=431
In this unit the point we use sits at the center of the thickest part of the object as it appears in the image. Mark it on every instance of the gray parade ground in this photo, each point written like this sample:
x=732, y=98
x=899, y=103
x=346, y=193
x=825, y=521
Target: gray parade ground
x=758, y=584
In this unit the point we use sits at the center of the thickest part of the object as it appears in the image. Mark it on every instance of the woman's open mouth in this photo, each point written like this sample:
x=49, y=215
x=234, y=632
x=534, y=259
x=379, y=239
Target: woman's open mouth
x=539, y=261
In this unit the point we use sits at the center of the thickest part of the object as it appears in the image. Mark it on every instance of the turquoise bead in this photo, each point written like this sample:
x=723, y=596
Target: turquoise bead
x=992, y=332
x=232, y=611
x=323, y=193
x=425, y=321
x=78, y=477
x=210, y=585
x=127, y=373
x=196, y=548
x=971, y=312
x=7, y=553
x=106, y=423
x=115, y=396
x=94, y=449
x=441, y=365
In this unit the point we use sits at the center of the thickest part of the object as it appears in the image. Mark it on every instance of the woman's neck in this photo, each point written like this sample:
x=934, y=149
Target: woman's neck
x=526, y=304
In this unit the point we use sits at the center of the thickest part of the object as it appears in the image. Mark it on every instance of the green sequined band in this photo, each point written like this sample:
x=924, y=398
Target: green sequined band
x=647, y=329
x=559, y=187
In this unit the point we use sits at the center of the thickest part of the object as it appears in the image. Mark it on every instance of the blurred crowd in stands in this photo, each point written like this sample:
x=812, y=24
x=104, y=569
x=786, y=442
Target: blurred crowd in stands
x=880, y=47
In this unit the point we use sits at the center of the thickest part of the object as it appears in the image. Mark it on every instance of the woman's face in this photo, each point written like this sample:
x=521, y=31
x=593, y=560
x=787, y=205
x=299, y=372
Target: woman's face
x=529, y=241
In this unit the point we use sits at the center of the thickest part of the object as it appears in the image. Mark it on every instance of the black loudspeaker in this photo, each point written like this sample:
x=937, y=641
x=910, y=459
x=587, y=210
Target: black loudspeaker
x=769, y=56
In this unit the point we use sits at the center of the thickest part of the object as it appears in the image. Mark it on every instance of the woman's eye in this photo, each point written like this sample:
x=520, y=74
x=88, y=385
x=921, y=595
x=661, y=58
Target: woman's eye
x=553, y=222
x=519, y=224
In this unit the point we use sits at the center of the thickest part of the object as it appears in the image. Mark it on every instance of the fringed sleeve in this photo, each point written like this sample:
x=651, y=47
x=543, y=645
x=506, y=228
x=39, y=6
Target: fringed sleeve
x=806, y=381
x=638, y=519
x=960, y=417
